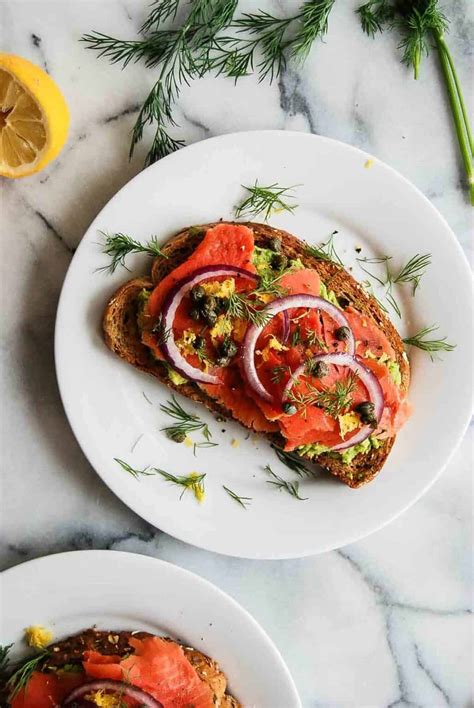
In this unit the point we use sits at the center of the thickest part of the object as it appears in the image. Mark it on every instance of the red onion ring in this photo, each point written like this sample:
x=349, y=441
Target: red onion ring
x=285, y=326
x=281, y=305
x=367, y=377
x=173, y=300
x=125, y=689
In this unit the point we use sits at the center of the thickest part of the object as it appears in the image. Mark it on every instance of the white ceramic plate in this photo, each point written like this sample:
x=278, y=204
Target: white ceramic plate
x=373, y=208
x=70, y=592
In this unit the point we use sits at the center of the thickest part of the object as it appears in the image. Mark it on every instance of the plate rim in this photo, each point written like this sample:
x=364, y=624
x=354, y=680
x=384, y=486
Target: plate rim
x=276, y=554
x=174, y=570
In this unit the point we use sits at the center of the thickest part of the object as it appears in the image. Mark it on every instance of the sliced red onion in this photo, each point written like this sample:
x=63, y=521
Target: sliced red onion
x=286, y=327
x=172, y=302
x=123, y=689
x=312, y=302
x=367, y=377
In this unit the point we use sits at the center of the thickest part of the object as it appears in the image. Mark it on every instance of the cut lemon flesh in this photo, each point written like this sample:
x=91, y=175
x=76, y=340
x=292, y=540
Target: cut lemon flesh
x=34, y=118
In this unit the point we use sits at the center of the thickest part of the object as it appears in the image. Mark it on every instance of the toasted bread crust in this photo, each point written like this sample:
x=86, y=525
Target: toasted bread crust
x=71, y=651
x=122, y=335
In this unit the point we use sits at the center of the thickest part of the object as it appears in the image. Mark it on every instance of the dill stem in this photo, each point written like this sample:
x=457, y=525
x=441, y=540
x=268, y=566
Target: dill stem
x=458, y=109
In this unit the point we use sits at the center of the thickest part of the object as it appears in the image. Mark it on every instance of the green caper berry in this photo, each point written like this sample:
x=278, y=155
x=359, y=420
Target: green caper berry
x=210, y=317
x=222, y=360
x=176, y=435
x=199, y=342
x=210, y=302
x=289, y=408
x=275, y=245
x=197, y=293
x=366, y=411
x=222, y=304
x=318, y=369
x=342, y=334
x=279, y=261
x=227, y=348
x=343, y=301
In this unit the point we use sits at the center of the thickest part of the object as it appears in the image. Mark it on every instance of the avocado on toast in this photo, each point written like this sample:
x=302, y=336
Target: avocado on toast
x=378, y=348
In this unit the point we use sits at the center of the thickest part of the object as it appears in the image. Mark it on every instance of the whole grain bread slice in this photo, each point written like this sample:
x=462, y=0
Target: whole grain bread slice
x=71, y=651
x=123, y=337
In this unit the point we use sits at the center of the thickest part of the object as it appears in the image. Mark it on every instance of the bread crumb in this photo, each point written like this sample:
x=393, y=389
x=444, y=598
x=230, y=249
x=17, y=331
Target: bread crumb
x=234, y=442
x=368, y=164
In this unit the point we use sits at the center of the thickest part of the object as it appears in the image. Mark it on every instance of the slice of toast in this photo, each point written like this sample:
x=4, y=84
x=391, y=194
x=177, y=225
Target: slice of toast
x=71, y=651
x=122, y=335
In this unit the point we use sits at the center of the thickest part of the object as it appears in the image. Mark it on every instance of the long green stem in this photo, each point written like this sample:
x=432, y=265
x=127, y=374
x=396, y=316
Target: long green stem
x=460, y=96
x=458, y=110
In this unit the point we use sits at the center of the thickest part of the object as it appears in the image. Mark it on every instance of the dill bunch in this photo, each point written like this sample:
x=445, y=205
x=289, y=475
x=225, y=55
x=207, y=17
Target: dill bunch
x=207, y=39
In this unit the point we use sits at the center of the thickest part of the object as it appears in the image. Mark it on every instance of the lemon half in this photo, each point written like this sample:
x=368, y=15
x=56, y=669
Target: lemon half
x=34, y=117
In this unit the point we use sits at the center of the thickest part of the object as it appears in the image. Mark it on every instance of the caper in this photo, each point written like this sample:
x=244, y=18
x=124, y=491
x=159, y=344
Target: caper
x=275, y=245
x=222, y=361
x=318, y=369
x=366, y=410
x=197, y=293
x=343, y=301
x=199, y=342
x=176, y=435
x=289, y=408
x=279, y=261
x=227, y=347
x=222, y=304
x=208, y=310
x=211, y=318
x=195, y=314
x=342, y=334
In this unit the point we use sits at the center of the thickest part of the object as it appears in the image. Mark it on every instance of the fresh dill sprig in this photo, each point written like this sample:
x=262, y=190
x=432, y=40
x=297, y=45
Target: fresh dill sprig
x=313, y=340
x=413, y=270
x=193, y=482
x=278, y=373
x=236, y=54
x=374, y=15
x=325, y=251
x=4, y=651
x=367, y=285
x=136, y=474
x=266, y=200
x=429, y=345
x=161, y=332
x=19, y=679
x=422, y=25
x=243, y=501
x=313, y=18
x=292, y=461
x=295, y=338
x=291, y=487
x=187, y=422
x=118, y=246
x=416, y=25
x=389, y=296
x=377, y=260
x=334, y=401
x=203, y=445
x=242, y=307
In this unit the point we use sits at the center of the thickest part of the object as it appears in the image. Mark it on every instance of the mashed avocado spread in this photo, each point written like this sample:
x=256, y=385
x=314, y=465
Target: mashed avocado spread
x=315, y=449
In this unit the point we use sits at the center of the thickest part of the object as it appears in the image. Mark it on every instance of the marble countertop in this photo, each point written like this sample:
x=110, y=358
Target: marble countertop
x=383, y=622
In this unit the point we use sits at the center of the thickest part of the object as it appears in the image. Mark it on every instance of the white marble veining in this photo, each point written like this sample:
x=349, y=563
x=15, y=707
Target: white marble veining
x=386, y=621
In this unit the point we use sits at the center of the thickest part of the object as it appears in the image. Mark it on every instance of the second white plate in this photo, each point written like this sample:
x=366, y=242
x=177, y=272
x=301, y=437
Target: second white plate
x=70, y=592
